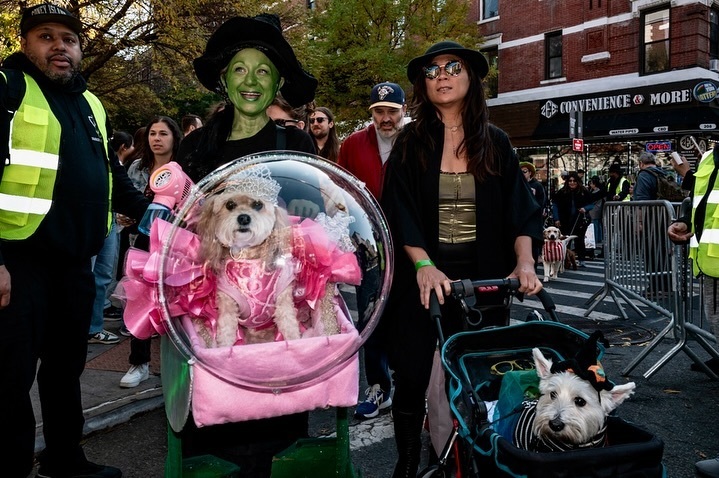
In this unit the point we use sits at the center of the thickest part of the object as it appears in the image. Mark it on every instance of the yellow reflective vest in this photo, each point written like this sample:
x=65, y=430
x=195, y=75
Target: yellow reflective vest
x=705, y=251
x=28, y=182
x=618, y=189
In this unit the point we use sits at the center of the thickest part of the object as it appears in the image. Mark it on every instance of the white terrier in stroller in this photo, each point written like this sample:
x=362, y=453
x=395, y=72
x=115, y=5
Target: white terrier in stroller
x=575, y=400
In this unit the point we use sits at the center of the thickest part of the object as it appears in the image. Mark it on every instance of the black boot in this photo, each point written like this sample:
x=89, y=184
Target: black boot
x=407, y=435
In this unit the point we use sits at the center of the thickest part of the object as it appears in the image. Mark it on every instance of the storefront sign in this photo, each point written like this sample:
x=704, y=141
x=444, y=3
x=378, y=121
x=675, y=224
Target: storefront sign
x=658, y=146
x=704, y=91
x=623, y=132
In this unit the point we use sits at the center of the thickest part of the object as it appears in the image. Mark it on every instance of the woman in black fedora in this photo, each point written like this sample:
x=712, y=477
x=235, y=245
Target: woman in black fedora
x=247, y=61
x=458, y=208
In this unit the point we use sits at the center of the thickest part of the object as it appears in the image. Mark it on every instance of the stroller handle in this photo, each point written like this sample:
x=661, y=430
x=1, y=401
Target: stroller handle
x=467, y=289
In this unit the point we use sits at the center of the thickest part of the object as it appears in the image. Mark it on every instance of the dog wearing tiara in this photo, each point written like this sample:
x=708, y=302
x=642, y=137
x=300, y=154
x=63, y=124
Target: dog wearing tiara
x=575, y=400
x=246, y=241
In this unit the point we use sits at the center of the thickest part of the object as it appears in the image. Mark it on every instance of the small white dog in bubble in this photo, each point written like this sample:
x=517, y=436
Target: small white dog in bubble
x=575, y=400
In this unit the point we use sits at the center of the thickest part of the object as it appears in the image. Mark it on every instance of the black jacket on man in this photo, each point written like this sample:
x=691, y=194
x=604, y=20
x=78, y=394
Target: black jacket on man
x=76, y=225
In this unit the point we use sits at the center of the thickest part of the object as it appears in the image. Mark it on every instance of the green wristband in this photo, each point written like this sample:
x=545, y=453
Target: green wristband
x=422, y=263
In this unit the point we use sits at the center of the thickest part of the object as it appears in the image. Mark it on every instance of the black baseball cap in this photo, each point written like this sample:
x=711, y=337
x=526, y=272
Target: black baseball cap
x=48, y=13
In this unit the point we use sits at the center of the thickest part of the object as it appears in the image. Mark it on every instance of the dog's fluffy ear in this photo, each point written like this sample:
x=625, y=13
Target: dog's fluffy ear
x=210, y=249
x=541, y=363
x=611, y=399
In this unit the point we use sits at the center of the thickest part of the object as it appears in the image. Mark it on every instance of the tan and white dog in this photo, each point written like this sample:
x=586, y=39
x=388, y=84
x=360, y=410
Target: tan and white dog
x=554, y=252
x=246, y=241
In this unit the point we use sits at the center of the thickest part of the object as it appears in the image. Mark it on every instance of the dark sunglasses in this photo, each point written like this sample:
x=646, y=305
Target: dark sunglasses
x=319, y=119
x=453, y=68
x=286, y=122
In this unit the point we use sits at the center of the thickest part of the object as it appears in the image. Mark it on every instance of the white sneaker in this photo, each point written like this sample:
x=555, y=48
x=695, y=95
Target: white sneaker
x=136, y=374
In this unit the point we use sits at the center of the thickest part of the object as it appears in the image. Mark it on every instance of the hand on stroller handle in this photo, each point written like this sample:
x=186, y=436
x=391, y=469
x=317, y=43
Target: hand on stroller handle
x=465, y=292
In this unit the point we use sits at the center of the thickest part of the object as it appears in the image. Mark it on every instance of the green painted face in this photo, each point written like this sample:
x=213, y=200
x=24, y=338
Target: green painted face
x=252, y=82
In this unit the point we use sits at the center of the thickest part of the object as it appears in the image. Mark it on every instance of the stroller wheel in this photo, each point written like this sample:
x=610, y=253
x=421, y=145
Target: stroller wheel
x=434, y=471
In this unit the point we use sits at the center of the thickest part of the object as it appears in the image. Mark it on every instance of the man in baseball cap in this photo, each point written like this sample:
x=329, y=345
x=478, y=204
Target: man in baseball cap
x=48, y=13
x=364, y=153
x=55, y=139
x=387, y=94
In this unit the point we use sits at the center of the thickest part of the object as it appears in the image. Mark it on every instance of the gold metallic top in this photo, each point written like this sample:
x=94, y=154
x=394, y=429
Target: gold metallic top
x=457, y=220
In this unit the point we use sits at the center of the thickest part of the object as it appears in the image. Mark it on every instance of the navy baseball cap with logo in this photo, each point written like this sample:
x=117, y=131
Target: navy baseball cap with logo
x=48, y=13
x=387, y=94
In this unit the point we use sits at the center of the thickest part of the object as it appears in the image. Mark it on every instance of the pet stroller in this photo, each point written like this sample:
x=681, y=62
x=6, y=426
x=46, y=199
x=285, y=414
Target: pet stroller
x=489, y=373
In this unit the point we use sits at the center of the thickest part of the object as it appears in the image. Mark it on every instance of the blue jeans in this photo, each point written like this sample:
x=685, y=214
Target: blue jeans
x=103, y=267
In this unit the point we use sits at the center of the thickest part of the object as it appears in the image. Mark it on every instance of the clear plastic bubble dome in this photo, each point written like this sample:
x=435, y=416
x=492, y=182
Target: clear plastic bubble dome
x=274, y=271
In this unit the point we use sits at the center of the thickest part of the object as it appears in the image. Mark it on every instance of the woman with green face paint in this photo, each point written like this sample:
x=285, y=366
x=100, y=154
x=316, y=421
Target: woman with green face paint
x=252, y=82
x=247, y=61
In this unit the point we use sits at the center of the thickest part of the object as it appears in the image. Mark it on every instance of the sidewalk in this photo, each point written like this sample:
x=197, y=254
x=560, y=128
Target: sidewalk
x=105, y=403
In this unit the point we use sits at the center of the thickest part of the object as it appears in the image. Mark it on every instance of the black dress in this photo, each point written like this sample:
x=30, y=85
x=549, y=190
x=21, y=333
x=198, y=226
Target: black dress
x=505, y=209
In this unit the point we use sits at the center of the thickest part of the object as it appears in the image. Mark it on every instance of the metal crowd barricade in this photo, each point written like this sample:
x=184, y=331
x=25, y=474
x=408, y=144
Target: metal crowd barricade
x=643, y=265
x=639, y=263
x=689, y=323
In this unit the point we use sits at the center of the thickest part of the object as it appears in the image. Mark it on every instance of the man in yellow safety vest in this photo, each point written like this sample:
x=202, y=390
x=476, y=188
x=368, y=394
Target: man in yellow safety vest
x=59, y=182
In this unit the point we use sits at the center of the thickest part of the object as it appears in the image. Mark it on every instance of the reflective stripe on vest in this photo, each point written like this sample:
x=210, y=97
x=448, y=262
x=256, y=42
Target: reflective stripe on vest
x=28, y=181
x=618, y=189
x=705, y=252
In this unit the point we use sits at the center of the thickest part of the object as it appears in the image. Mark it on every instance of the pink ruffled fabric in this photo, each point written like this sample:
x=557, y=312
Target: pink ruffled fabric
x=190, y=287
x=320, y=261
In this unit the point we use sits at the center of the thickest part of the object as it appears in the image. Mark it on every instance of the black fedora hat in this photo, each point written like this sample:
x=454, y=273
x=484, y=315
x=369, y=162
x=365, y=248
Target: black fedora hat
x=263, y=33
x=474, y=58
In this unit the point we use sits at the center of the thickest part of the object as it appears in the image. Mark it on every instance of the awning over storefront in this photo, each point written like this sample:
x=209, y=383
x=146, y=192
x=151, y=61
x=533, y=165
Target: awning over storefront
x=662, y=111
x=655, y=124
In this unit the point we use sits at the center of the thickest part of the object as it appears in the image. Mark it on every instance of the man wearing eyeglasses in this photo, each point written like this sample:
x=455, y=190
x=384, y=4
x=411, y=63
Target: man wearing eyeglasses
x=324, y=134
x=364, y=153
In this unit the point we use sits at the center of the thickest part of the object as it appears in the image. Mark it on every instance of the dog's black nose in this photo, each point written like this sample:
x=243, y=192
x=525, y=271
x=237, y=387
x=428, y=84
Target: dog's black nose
x=556, y=425
x=244, y=219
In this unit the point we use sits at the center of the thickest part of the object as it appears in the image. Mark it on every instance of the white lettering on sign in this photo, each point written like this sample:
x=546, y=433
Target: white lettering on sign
x=621, y=132
x=597, y=104
x=670, y=97
x=549, y=109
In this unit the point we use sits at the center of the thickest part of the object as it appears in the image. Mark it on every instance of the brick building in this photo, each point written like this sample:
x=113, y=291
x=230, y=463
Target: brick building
x=622, y=75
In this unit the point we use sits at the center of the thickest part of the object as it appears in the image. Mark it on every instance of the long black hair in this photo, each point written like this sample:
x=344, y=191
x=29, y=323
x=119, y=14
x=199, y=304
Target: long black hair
x=477, y=143
x=208, y=154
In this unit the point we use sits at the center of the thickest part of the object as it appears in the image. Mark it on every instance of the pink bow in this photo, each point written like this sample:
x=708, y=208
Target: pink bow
x=189, y=287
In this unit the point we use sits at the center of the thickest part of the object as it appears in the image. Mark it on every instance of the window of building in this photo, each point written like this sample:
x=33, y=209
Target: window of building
x=553, y=54
x=655, y=40
x=491, y=82
x=713, y=34
x=489, y=9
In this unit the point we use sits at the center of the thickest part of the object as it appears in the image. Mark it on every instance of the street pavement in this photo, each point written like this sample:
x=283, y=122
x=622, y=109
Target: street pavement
x=127, y=428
